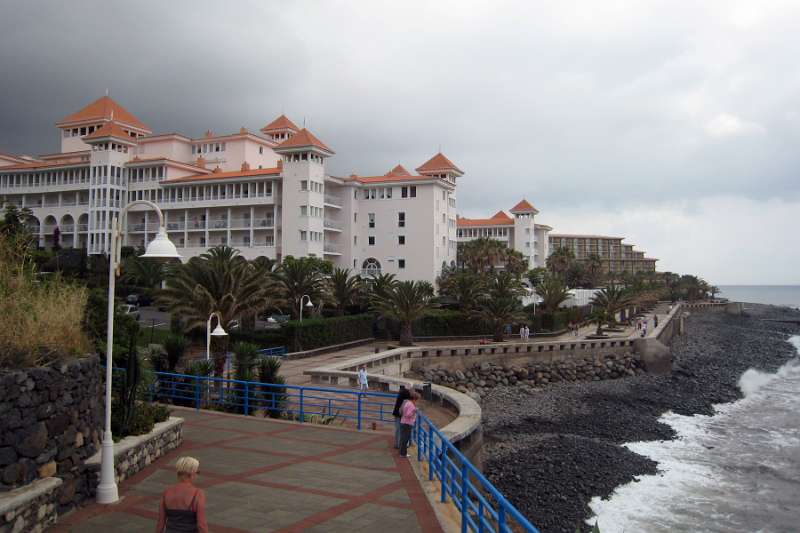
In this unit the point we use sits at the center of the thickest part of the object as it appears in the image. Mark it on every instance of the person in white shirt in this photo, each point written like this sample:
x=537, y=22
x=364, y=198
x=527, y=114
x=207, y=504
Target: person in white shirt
x=363, y=386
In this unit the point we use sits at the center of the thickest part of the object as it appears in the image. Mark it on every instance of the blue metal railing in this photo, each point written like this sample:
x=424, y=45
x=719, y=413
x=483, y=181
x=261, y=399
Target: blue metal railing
x=482, y=507
x=279, y=351
x=294, y=401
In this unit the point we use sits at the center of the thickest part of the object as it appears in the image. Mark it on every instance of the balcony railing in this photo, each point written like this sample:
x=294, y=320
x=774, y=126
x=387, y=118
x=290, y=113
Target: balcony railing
x=240, y=223
x=332, y=224
x=67, y=228
x=332, y=199
x=83, y=227
x=264, y=223
x=331, y=249
x=218, y=224
x=175, y=226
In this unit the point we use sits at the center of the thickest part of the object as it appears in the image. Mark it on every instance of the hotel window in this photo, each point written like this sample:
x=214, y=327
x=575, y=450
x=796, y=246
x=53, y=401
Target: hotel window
x=413, y=191
x=382, y=193
x=371, y=220
x=401, y=263
x=401, y=240
x=401, y=220
x=303, y=210
x=304, y=185
x=389, y=192
x=403, y=192
x=260, y=149
x=355, y=217
x=371, y=240
x=355, y=240
x=303, y=235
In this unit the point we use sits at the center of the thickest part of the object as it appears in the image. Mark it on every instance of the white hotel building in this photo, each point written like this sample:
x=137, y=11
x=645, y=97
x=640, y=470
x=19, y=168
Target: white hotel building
x=519, y=231
x=267, y=194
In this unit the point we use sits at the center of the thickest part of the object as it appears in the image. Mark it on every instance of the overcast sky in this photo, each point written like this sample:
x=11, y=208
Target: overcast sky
x=674, y=124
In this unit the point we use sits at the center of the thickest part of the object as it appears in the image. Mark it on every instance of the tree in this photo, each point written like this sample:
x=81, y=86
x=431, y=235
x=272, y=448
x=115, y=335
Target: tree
x=536, y=275
x=714, y=290
x=608, y=302
x=405, y=302
x=14, y=225
x=464, y=287
x=553, y=293
x=501, y=303
x=382, y=284
x=246, y=355
x=144, y=273
x=175, y=346
x=482, y=255
x=559, y=261
x=345, y=290
x=594, y=270
x=575, y=276
x=297, y=277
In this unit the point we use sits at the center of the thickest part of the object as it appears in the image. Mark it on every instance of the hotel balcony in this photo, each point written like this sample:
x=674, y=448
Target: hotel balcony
x=330, y=249
x=332, y=225
x=333, y=201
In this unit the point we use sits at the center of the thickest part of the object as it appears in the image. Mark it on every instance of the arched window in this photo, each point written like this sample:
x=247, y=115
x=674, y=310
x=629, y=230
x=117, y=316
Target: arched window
x=371, y=267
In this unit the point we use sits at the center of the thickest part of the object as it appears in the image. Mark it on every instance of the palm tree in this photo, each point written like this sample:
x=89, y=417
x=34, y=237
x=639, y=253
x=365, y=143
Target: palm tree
x=381, y=284
x=594, y=269
x=559, y=261
x=501, y=303
x=714, y=290
x=609, y=301
x=345, y=289
x=483, y=254
x=218, y=280
x=297, y=277
x=553, y=293
x=142, y=272
x=405, y=302
x=466, y=288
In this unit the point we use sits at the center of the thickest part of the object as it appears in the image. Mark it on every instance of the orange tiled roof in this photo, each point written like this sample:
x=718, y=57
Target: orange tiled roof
x=104, y=108
x=388, y=178
x=499, y=219
x=279, y=124
x=11, y=157
x=302, y=139
x=145, y=160
x=524, y=207
x=109, y=129
x=399, y=170
x=225, y=175
x=437, y=163
x=579, y=236
x=39, y=164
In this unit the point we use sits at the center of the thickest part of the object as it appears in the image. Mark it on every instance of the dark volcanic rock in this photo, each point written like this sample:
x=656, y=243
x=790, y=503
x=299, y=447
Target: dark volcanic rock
x=550, y=450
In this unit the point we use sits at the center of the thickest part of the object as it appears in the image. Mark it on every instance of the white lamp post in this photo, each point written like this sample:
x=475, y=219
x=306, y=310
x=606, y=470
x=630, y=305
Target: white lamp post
x=309, y=304
x=218, y=332
x=160, y=248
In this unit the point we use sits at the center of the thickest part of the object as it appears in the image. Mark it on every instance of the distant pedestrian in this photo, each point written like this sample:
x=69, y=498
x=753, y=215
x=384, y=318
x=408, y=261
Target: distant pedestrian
x=527, y=333
x=522, y=333
x=644, y=329
x=655, y=321
x=575, y=329
x=402, y=395
x=408, y=417
x=183, y=506
x=362, y=379
x=508, y=330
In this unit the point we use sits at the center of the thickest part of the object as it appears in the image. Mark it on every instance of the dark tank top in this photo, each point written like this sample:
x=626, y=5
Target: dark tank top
x=182, y=520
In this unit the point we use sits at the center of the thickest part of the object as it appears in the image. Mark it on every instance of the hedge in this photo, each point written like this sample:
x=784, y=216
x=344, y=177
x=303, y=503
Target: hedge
x=312, y=333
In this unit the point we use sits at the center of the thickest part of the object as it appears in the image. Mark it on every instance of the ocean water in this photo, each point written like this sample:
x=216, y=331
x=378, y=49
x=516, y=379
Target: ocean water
x=788, y=295
x=735, y=471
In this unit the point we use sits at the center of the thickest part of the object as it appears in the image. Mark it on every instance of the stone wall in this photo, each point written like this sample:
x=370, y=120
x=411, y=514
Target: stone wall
x=50, y=419
x=31, y=508
x=480, y=378
x=133, y=454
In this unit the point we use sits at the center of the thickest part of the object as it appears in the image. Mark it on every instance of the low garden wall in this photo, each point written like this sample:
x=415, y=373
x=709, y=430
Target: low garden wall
x=133, y=454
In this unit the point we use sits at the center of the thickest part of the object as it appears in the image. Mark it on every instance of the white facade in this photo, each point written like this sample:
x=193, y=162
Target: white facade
x=265, y=194
x=519, y=231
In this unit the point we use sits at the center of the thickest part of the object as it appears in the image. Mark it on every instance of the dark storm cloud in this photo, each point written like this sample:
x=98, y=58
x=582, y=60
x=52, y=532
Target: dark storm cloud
x=607, y=105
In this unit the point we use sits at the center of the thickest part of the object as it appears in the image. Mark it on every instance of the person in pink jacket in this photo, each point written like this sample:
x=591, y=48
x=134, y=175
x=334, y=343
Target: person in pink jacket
x=408, y=417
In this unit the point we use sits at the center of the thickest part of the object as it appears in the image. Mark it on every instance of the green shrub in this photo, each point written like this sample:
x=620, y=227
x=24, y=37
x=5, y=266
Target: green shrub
x=175, y=346
x=43, y=317
x=145, y=416
x=318, y=332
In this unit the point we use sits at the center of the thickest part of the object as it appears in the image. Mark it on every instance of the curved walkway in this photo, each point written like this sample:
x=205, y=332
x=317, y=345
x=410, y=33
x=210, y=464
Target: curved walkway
x=265, y=475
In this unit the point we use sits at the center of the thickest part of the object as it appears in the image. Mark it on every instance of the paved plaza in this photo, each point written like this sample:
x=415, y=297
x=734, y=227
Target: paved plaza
x=263, y=475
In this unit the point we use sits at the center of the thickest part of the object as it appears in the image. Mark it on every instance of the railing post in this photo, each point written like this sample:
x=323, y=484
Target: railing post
x=197, y=394
x=419, y=439
x=444, y=472
x=464, y=497
x=501, y=518
x=302, y=413
x=360, y=394
x=246, y=398
x=430, y=452
x=330, y=406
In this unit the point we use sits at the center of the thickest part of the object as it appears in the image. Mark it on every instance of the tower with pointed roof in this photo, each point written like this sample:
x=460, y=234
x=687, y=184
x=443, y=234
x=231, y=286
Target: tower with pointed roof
x=280, y=129
x=303, y=158
x=74, y=127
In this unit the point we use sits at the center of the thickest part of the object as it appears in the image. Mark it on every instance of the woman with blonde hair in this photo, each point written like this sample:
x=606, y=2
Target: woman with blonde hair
x=183, y=506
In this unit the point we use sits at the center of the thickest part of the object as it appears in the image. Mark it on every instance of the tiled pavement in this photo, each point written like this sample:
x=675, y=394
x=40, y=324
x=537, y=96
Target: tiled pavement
x=262, y=475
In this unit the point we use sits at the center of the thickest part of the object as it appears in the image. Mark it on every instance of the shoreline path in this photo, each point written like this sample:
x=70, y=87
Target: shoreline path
x=265, y=475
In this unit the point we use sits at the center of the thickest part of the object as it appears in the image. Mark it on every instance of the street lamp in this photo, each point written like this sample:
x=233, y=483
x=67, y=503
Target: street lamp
x=160, y=248
x=309, y=304
x=218, y=332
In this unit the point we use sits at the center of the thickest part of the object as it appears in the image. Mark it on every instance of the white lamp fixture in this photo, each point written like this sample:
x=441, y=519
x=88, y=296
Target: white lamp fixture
x=219, y=332
x=161, y=248
x=309, y=304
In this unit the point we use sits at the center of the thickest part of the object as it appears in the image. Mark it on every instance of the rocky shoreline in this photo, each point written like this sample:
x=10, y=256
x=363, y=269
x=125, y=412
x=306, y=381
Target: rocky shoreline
x=552, y=448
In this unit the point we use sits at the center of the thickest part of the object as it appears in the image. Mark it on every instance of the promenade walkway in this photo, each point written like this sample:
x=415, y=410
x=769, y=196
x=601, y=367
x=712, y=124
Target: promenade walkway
x=264, y=475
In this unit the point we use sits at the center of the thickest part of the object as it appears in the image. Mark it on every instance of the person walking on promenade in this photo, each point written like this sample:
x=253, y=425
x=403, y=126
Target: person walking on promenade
x=522, y=332
x=402, y=396
x=527, y=333
x=183, y=506
x=363, y=385
x=655, y=321
x=408, y=417
x=644, y=329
